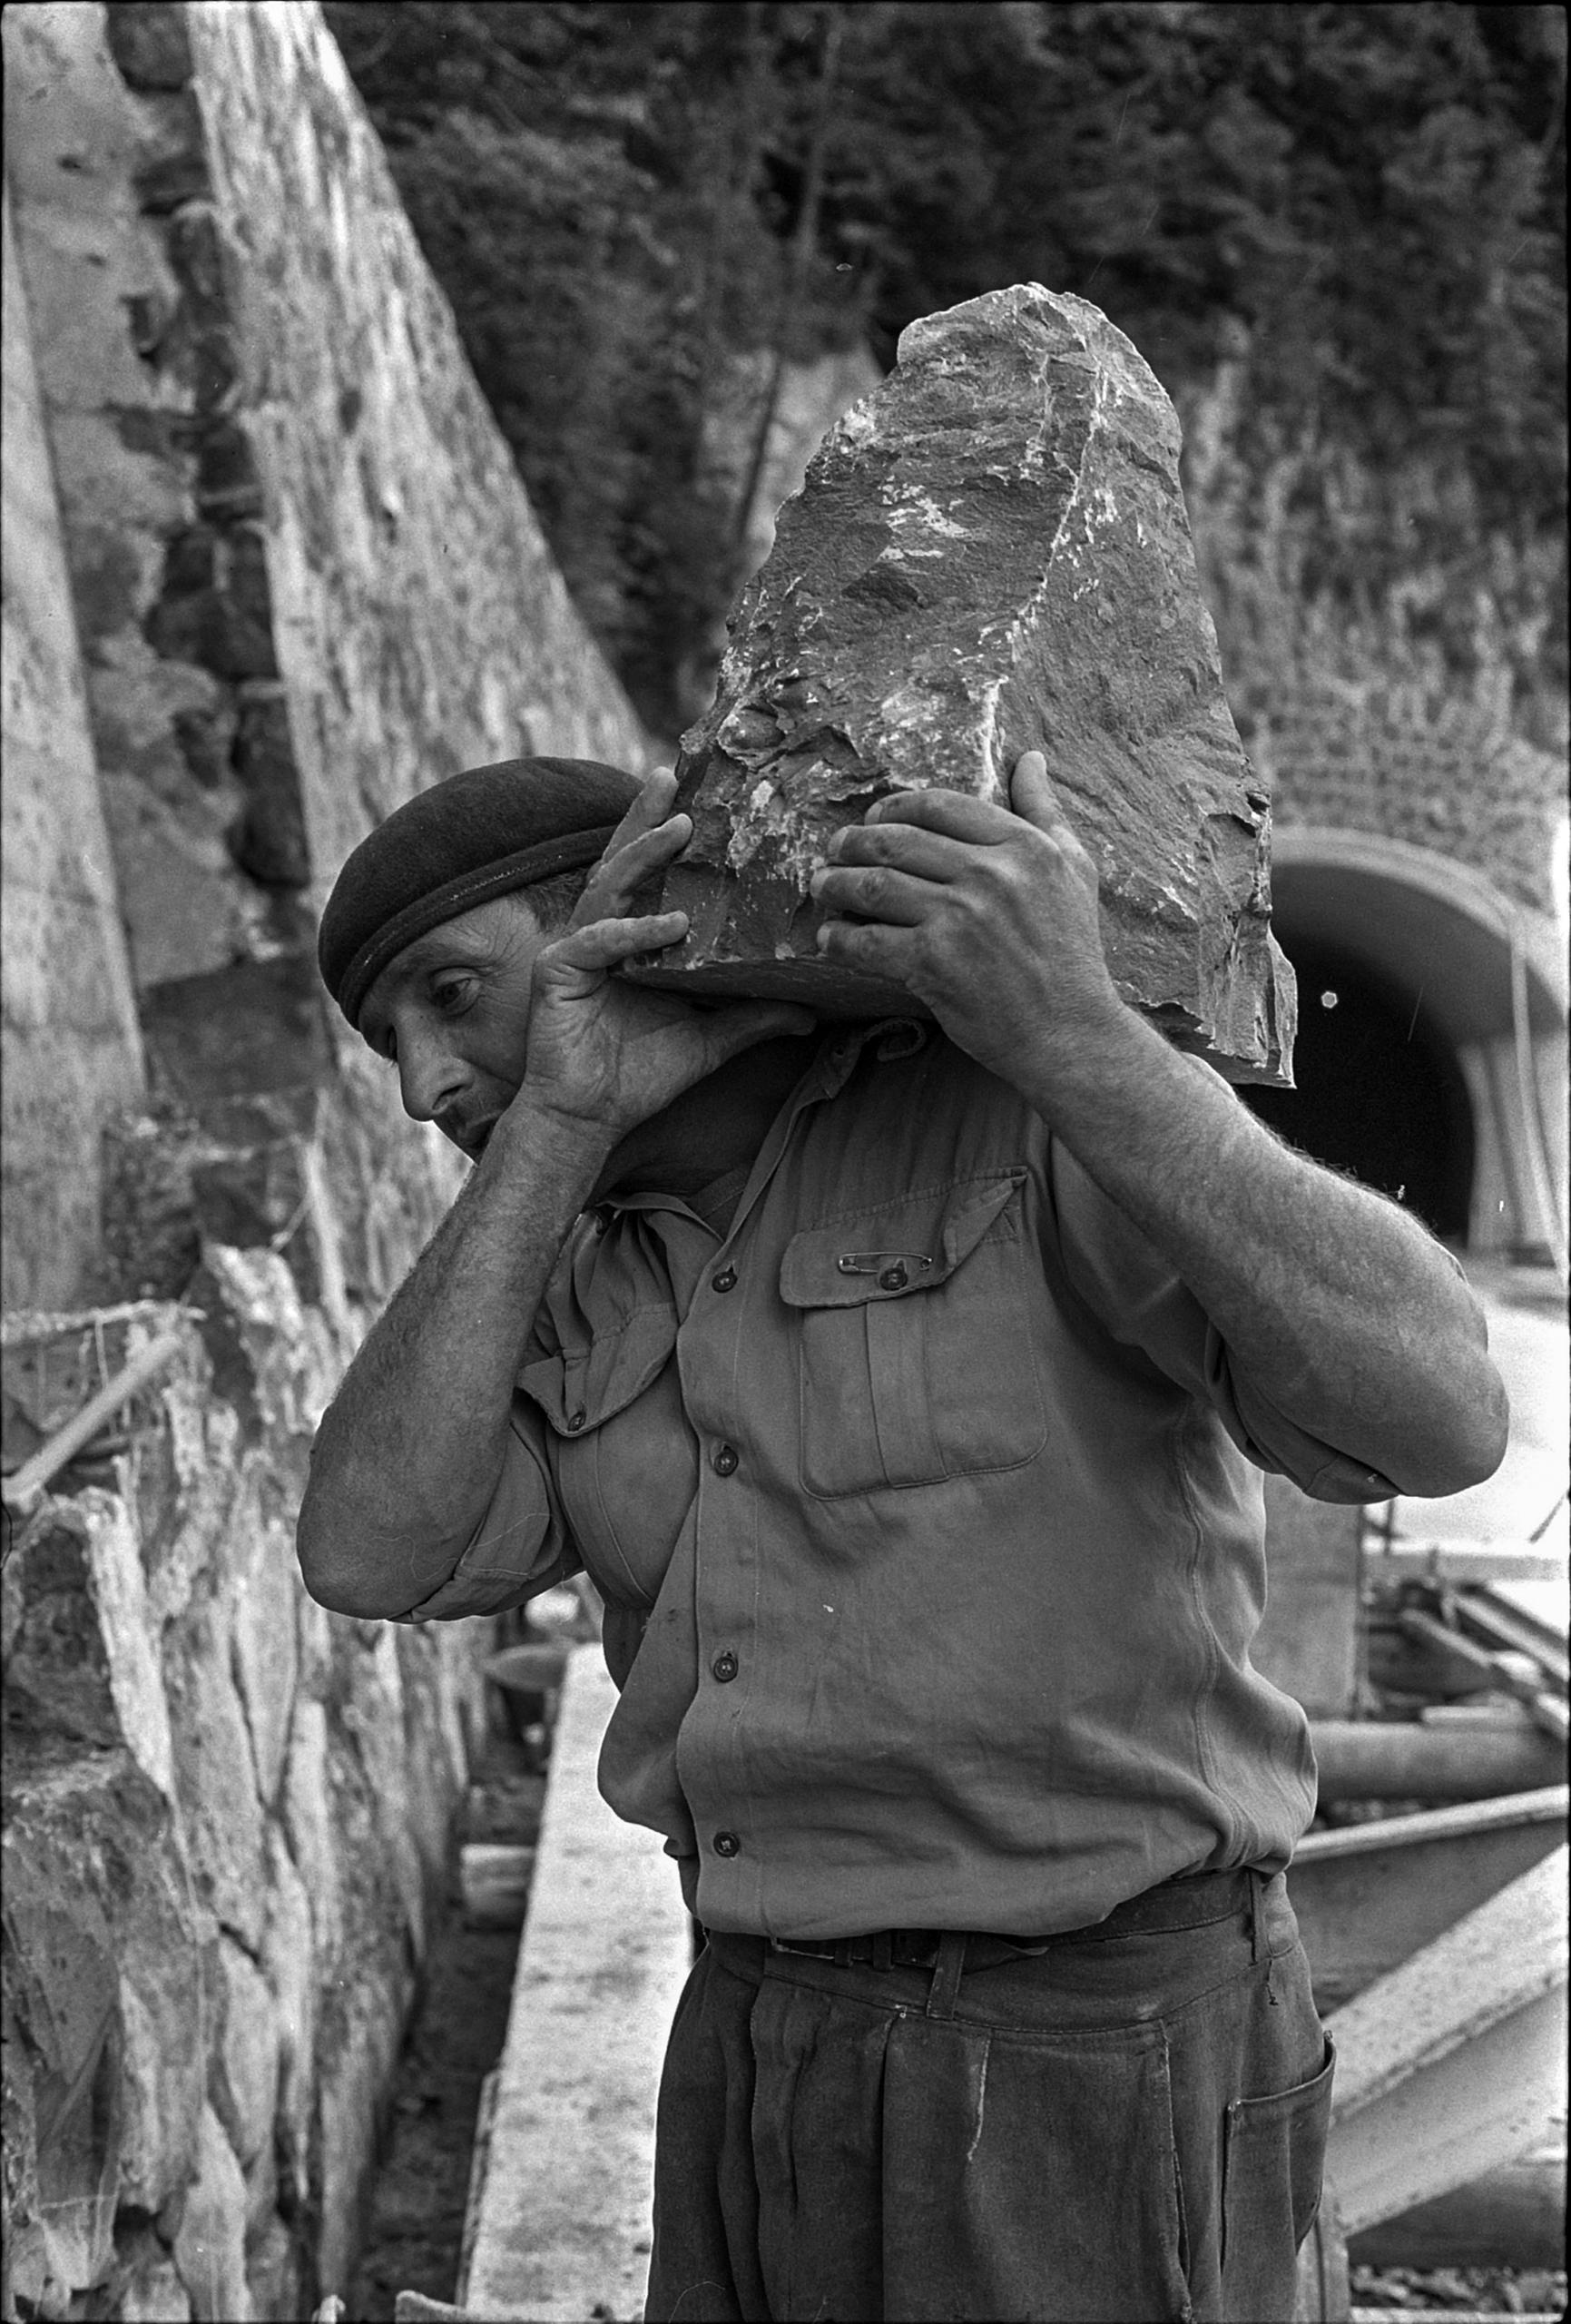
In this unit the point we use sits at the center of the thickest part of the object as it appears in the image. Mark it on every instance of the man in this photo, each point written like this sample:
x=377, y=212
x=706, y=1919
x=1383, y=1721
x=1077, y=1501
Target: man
x=904, y=1389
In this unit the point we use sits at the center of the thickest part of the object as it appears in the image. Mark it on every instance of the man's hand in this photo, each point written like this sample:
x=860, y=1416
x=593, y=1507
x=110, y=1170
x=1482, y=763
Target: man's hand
x=988, y=917
x=604, y=1055
x=1334, y=1306
x=648, y=838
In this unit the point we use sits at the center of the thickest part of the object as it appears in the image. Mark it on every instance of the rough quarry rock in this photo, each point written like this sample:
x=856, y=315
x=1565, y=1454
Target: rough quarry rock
x=989, y=554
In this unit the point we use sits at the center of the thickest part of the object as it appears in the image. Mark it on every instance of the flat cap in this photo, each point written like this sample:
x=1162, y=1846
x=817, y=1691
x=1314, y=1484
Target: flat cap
x=472, y=837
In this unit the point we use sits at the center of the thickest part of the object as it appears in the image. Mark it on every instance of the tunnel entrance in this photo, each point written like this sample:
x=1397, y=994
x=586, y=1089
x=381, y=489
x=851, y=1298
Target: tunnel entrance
x=1379, y=1092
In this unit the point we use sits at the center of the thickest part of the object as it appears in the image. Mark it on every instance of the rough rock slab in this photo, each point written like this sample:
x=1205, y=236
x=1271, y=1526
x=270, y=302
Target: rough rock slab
x=989, y=554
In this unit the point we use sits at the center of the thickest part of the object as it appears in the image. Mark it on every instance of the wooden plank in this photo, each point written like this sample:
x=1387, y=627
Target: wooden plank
x=1370, y=1895
x=1454, y=2062
x=1438, y=1560
x=562, y=2230
x=1514, y=2217
x=1509, y=1674
x=1504, y=1625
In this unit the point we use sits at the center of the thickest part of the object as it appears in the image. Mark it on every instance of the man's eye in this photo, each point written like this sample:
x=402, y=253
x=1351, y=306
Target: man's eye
x=451, y=994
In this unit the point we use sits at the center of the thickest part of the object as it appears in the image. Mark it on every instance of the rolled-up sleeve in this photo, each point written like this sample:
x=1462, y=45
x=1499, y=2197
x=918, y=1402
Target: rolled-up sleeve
x=520, y=1546
x=1142, y=1303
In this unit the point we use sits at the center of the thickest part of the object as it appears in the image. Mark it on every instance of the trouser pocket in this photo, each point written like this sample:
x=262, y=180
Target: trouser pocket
x=1273, y=2160
x=1030, y=2175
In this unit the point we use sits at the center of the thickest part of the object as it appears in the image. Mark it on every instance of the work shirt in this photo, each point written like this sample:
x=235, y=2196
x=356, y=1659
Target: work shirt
x=939, y=1499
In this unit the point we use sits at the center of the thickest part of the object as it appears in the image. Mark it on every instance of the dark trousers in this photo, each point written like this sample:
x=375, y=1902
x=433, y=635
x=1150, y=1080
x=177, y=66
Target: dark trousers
x=1127, y=2125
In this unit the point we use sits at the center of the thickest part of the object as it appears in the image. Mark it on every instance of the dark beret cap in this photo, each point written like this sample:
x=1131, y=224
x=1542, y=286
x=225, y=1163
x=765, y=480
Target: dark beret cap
x=472, y=837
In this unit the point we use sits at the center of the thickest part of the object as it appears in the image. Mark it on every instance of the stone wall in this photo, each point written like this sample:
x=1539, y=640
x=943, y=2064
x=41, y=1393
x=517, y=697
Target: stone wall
x=117, y=252
x=1430, y=708
x=71, y=1051
x=306, y=581
x=420, y=621
x=225, y=1811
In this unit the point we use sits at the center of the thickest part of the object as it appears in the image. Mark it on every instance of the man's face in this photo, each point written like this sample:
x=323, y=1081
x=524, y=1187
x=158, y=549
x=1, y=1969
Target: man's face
x=452, y=1012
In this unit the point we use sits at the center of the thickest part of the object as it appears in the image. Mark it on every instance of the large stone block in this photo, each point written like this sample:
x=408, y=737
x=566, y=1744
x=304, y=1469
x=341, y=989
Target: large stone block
x=214, y=1769
x=83, y=1664
x=310, y=1825
x=264, y=1641
x=210, y=2248
x=290, y=1962
x=64, y=2115
x=369, y=1687
x=244, y=2083
x=990, y=555
x=363, y=2022
x=106, y=2001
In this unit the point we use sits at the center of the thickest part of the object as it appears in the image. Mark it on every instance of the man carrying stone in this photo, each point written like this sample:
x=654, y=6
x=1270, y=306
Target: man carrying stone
x=904, y=1389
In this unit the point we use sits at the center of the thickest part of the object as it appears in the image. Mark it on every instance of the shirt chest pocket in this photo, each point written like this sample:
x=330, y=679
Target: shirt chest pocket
x=915, y=1353
x=621, y=1454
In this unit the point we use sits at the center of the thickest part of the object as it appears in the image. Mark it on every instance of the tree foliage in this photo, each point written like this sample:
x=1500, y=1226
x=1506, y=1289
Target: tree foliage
x=1369, y=198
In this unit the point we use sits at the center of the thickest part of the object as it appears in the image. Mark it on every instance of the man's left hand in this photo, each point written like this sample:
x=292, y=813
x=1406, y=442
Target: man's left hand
x=987, y=916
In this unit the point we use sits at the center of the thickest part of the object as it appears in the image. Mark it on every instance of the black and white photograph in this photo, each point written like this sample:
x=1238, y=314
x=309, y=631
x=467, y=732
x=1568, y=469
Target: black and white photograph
x=783, y=1340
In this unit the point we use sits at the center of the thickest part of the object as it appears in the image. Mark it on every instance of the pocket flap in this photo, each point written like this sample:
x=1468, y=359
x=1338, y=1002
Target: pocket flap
x=896, y=1247
x=578, y=1390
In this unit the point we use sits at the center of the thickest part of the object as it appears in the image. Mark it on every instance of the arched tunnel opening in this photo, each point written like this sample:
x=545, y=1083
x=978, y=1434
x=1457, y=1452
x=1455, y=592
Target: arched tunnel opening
x=1378, y=1089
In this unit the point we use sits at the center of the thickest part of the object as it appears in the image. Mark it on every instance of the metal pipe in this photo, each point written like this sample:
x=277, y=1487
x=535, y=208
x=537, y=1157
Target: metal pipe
x=1402, y=1759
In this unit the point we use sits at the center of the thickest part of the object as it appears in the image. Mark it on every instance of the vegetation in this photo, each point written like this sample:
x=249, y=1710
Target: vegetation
x=1359, y=208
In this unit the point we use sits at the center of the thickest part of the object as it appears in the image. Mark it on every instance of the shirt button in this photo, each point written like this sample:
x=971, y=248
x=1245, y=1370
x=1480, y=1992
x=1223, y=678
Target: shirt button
x=725, y=1667
x=727, y=1844
x=725, y=1460
x=576, y=1420
x=724, y=1281
x=893, y=1279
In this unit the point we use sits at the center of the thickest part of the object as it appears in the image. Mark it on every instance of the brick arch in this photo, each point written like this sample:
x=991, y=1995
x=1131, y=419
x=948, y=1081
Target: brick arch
x=1490, y=978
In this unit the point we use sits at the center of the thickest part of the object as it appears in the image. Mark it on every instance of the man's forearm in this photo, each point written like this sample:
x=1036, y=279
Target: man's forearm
x=408, y=1455
x=1336, y=1305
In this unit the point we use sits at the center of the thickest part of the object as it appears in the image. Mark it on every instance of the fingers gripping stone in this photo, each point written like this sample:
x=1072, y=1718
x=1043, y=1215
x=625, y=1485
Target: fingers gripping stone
x=990, y=555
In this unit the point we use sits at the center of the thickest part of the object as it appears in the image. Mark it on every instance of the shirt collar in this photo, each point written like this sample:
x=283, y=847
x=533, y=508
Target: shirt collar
x=838, y=1058
x=833, y=1064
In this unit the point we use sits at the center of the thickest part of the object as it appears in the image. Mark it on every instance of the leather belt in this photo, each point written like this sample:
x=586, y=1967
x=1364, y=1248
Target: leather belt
x=909, y=1948
x=1192, y=1901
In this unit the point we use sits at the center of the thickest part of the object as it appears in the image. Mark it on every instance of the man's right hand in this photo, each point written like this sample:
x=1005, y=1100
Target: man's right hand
x=605, y=1055
x=407, y=1458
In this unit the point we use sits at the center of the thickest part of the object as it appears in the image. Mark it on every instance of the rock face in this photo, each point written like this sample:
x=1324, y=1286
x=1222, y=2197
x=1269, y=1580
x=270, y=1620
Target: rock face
x=225, y=1811
x=990, y=555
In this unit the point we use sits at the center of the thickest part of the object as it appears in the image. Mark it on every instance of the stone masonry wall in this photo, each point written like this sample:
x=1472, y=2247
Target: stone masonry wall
x=72, y=1048
x=117, y=253
x=421, y=623
x=225, y=1810
x=306, y=581
x=1434, y=710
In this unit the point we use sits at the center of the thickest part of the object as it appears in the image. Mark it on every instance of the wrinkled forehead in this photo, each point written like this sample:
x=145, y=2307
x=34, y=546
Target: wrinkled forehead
x=474, y=936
